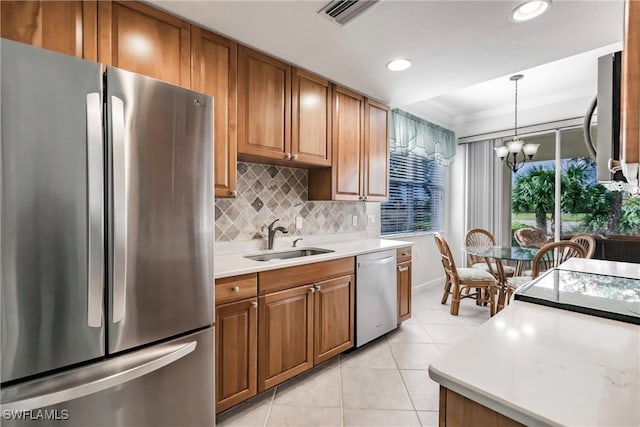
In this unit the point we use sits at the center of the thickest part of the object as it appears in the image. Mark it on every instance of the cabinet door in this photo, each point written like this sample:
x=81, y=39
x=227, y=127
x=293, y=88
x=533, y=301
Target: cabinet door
x=64, y=26
x=334, y=317
x=264, y=106
x=404, y=291
x=630, y=93
x=139, y=38
x=348, y=117
x=285, y=338
x=214, y=60
x=236, y=352
x=311, y=119
x=376, y=151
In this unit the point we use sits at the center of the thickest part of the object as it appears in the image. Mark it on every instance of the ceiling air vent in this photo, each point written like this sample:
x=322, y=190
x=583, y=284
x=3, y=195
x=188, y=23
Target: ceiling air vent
x=343, y=11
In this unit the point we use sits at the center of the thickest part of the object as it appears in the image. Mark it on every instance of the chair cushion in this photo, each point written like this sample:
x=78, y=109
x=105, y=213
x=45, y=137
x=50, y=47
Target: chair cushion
x=474, y=274
x=508, y=270
x=517, y=281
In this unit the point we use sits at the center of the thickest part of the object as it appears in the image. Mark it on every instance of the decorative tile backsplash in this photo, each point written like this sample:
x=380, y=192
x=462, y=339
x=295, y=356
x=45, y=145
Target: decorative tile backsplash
x=268, y=192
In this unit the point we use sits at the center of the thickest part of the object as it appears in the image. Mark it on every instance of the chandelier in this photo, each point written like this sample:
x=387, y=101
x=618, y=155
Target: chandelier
x=509, y=152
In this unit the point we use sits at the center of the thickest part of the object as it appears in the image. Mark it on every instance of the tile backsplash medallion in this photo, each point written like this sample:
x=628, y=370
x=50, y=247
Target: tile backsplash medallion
x=267, y=192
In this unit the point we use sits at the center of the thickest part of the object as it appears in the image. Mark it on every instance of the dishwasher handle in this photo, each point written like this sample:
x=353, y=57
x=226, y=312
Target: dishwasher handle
x=377, y=261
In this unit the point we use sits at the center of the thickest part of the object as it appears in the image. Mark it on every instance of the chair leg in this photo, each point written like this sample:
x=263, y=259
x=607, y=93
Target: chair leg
x=447, y=291
x=492, y=305
x=479, y=296
x=455, y=299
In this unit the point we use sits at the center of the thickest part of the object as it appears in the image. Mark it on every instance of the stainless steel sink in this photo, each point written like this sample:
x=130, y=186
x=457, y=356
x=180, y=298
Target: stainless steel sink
x=293, y=253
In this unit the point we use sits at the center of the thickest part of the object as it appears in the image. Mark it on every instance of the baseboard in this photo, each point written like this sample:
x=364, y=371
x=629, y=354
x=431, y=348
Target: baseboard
x=438, y=282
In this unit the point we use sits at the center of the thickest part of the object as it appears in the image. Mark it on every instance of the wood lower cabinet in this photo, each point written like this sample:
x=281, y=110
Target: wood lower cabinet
x=236, y=352
x=285, y=337
x=458, y=411
x=214, y=62
x=144, y=40
x=334, y=309
x=64, y=26
x=404, y=283
x=264, y=106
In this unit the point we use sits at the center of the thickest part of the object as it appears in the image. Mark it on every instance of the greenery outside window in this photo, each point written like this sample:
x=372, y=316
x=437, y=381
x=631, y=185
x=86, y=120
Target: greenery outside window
x=416, y=195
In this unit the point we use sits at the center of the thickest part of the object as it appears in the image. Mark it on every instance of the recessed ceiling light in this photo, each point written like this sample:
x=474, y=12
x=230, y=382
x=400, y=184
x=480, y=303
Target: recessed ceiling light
x=399, y=64
x=530, y=10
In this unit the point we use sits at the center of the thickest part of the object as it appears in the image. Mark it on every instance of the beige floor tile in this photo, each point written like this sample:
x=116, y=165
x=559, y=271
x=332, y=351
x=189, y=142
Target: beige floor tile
x=437, y=317
x=428, y=418
x=381, y=418
x=447, y=334
x=409, y=333
x=375, y=355
x=282, y=416
x=374, y=388
x=248, y=414
x=424, y=392
x=414, y=355
x=320, y=387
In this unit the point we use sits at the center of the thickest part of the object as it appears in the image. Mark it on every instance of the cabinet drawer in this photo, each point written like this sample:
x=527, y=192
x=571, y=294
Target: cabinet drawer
x=236, y=288
x=403, y=254
x=285, y=278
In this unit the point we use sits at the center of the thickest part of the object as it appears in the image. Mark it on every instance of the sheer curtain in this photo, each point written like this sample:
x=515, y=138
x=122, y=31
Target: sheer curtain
x=411, y=134
x=486, y=206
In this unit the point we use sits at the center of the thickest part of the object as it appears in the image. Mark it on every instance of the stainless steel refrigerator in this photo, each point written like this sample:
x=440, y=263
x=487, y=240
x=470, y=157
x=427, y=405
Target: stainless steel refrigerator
x=107, y=232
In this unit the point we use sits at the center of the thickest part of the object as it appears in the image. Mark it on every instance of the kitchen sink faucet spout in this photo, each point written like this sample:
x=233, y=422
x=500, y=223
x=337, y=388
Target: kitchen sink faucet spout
x=272, y=232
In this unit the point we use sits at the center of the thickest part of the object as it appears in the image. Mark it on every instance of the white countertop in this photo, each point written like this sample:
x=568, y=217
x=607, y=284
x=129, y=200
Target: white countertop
x=235, y=264
x=546, y=366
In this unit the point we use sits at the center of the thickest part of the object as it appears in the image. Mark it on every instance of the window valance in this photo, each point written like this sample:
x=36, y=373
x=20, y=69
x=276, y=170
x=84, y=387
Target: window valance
x=411, y=134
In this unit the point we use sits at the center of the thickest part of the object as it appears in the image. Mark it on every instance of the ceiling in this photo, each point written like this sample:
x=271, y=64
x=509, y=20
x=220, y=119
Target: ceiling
x=453, y=44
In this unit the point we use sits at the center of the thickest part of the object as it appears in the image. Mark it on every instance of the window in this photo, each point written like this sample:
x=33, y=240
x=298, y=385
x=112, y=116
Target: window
x=416, y=195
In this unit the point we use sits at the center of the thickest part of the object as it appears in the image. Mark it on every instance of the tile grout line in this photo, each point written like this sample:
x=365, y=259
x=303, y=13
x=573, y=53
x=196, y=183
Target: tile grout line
x=273, y=398
x=406, y=389
x=341, y=395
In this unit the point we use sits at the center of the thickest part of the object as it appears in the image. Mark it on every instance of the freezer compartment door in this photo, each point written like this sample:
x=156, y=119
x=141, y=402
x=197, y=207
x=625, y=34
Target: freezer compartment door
x=161, y=210
x=52, y=211
x=168, y=384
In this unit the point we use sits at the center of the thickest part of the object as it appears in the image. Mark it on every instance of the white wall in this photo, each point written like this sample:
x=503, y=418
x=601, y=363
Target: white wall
x=455, y=219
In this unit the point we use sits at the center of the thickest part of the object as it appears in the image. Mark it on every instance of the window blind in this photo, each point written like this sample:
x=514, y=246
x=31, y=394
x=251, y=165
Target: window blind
x=416, y=195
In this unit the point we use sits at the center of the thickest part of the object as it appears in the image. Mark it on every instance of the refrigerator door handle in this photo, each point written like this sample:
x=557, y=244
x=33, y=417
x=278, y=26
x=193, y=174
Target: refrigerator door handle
x=95, y=201
x=169, y=356
x=120, y=208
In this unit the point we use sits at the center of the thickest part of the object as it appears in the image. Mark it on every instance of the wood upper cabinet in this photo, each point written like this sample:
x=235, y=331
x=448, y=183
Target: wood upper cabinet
x=376, y=151
x=264, y=106
x=333, y=317
x=214, y=62
x=630, y=94
x=285, y=335
x=64, y=26
x=348, y=121
x=236, y=352
x=139, y=38
x=311, y=119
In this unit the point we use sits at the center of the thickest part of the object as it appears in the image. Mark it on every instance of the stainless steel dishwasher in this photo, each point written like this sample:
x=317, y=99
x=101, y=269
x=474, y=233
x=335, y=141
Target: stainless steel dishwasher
x=376, y=295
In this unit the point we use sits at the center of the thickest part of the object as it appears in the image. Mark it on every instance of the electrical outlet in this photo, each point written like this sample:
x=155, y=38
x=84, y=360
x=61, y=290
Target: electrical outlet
x=298, y=223
x=354, y=220
x=371, y=219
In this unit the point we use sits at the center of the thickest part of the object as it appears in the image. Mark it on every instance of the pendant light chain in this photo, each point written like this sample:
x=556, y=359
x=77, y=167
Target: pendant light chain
x=515, y=126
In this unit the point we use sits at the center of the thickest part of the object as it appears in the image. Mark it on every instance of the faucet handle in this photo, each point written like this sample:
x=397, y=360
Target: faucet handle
x=295, y=242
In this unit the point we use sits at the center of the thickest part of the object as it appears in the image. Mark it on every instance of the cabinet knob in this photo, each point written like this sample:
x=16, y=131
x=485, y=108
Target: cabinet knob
x=312, y=290
x=235, y=289
x=233, y=193
x=254, y=304
x=288, y=156
x=294, y=157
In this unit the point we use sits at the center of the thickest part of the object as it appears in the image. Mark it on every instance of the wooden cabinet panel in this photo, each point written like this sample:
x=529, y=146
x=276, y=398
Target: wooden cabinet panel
x=284, y=278
x=214, y=62
x=311, y=119
x=64, y=26
x=285, y=337
x=404, y=291
x=376, y=151
x=264, y=105
x=144, y=40
x=334, y=317
x=236, y=353
x=458, y=411
x=403, y=254
x=236, y=288
x=347, y=142
x=630, y=93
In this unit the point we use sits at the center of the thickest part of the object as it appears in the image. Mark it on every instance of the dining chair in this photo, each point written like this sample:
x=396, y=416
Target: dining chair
x=458, y=279
x=477, y=238
x=587, y=242
x=529, y=237
x=553, y=254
